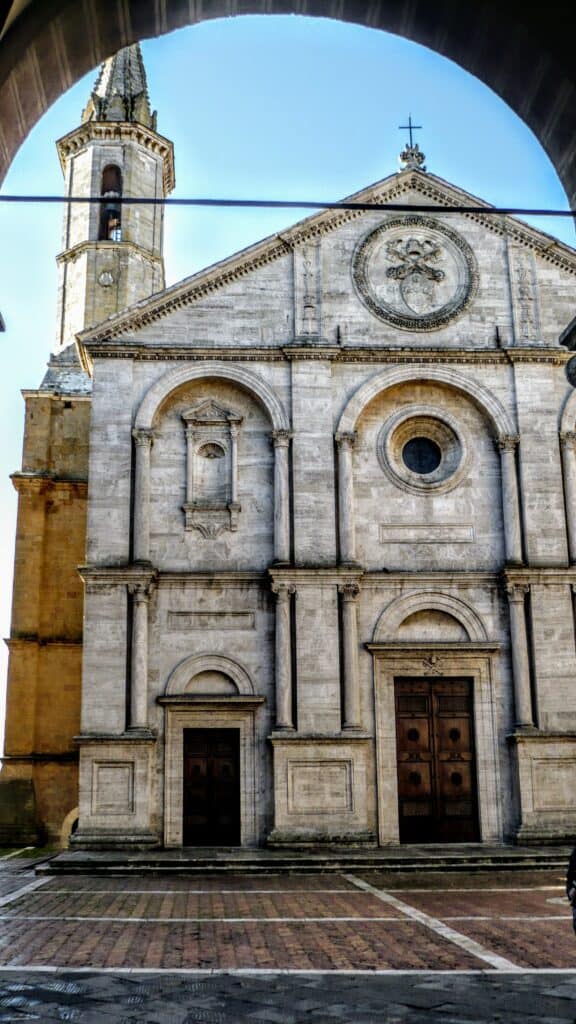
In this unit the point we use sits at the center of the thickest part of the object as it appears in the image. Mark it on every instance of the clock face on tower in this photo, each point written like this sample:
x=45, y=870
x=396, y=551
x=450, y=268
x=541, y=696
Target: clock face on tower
x=415, y=273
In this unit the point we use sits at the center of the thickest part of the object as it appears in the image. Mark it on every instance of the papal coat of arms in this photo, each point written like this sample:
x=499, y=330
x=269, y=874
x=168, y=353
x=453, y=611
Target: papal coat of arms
x=415, y=272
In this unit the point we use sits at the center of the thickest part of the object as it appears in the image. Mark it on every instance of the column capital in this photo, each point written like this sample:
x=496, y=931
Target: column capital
x=283, y=591
x=345, y=439
x=507, y=442
x=568, y=438
x=141, y=590
x=143, y=437
x=517, y=591
x=281, y=438
x=349, y=591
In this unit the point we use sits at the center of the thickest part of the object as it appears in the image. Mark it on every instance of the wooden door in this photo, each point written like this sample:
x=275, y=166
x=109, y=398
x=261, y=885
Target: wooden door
x=436, y=765
x=211, y=798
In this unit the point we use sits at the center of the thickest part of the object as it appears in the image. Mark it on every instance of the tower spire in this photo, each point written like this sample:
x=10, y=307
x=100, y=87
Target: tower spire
x=121, y=91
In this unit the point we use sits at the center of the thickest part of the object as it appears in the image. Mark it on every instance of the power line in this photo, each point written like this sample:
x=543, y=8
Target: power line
x=296, y=204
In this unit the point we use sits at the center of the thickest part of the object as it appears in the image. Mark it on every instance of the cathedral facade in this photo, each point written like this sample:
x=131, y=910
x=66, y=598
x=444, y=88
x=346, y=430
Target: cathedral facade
x=328, y=491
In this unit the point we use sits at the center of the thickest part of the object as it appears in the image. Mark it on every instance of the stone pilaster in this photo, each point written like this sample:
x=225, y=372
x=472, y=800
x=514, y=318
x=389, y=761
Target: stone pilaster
x=520, y=661
x=143, y=440
x=510, y=500
x=139, y=678
x=352, y=716
x=281, y=440
x=567, y=441
x=283, y=656
x=345, y=443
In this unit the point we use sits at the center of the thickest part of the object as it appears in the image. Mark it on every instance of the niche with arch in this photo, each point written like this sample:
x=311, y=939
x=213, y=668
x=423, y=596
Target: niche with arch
x=211, y=504
x=211, y=479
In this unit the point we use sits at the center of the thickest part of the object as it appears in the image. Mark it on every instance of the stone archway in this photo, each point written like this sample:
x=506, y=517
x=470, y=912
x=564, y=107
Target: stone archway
x=47, y=45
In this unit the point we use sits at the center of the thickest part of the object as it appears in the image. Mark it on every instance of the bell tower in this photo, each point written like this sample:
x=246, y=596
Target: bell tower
x=112, y=257
x=112, y=250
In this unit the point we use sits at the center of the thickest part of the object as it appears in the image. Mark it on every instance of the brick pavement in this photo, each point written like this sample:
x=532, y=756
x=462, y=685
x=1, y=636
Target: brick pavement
x=318, y=923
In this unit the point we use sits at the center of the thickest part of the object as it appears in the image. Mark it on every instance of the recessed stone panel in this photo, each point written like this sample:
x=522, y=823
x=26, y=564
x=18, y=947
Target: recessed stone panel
x=319, y=787
x=113, y=788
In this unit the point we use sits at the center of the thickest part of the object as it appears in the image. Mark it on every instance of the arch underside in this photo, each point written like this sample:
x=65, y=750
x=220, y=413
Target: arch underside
x=525, y=57
x=502, y=423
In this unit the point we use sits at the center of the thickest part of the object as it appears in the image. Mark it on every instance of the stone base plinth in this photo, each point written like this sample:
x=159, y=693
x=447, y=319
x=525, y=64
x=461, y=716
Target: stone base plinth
x=545, y=764
x=321, y=790
x=115, y=791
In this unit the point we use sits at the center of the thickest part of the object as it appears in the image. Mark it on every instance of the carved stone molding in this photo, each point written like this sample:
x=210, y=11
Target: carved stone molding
x=415, y=273
x=143, y=438
x=517, y=591
x=211, y=505
x=508, y=443
x=211, y=521
x=283, y=591
x=349, y=591
x=281, y=438
x=345, y=439
x=568, y=439
x=141, y=591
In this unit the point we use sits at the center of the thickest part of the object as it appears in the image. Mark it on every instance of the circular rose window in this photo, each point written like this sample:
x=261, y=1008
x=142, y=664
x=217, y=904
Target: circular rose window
x=422, y=450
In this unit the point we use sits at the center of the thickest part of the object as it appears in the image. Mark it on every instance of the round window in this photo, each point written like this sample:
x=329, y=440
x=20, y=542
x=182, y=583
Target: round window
x=421, y=449
x=422, y=455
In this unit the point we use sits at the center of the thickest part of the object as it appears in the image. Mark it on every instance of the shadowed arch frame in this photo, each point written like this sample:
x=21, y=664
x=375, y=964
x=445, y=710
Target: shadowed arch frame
x=181, y=375
x=403, y=607
x=192, y=666
x=501, y=421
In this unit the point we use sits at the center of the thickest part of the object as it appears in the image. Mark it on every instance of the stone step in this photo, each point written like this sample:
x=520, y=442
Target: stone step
x=254, y=862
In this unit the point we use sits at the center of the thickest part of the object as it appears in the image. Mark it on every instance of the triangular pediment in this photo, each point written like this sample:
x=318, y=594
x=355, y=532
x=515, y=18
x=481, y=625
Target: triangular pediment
x=209, y=412
x=397, y=194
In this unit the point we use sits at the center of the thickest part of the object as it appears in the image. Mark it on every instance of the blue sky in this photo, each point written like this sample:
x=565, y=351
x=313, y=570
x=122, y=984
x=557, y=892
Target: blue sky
x=258, y=107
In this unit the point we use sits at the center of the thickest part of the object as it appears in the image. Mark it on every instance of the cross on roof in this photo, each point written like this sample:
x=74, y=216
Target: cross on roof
x=410, y=127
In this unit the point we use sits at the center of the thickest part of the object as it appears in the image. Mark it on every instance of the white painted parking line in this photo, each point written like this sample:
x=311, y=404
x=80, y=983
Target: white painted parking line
x=31, y=887
x=300, y=972
x=8, y=856
x=437, y=926
x=507, y=888
x=25, y=919
x=200, y=892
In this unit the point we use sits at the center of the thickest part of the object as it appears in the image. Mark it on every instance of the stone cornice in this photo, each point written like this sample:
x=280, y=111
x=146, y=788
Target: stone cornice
x=110, y=247
x=33, y=640
x=63, y=757
x=391, y=189
x=134, y=736
x=201, y=579
x=39, y=483
x=117, y=131
x=541, y=736
x=199, y=702
x=127, y=574
x=422, y=581
x=55, y=396
x=117, y=575
x=418, y=647
x=304, y=738
x=349, y=354
x=309, y=577
x=564, y=575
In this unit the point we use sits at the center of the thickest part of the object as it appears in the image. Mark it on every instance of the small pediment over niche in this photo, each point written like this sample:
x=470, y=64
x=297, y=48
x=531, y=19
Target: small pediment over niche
x=209, y=413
